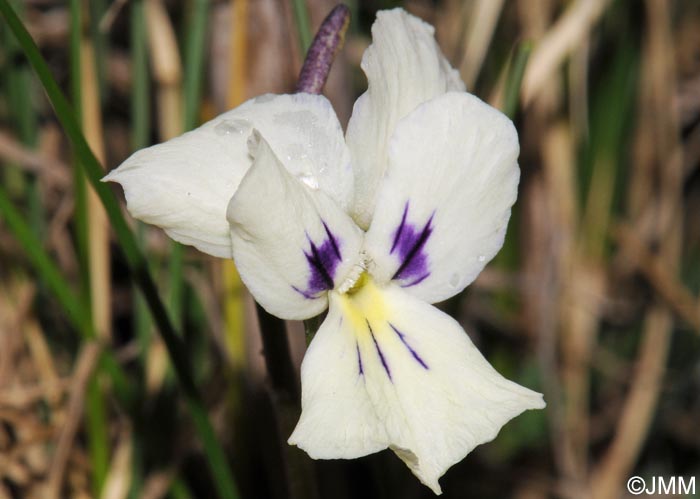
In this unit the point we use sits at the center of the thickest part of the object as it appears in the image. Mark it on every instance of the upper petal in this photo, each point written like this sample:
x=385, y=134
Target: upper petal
x=291, y=243
x=404, y=68
x=445, y=201
x=387, y=369
x=184, y=185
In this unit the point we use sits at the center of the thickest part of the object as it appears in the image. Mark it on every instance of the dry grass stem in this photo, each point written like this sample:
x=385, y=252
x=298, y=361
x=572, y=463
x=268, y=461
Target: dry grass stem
x=641, y=402
x=13, y=152
x=558, y=44
x=479, y=29
x=83, y=371
x=98, y=227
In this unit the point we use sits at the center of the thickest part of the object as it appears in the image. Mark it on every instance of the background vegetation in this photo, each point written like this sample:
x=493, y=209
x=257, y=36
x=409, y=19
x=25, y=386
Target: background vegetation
x=108, y=391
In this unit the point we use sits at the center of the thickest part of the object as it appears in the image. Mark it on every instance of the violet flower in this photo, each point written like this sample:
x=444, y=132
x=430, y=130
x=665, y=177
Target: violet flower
x=403, y=211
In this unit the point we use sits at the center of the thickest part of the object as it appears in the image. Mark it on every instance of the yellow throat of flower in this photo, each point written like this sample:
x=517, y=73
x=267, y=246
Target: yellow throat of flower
x=364, y=303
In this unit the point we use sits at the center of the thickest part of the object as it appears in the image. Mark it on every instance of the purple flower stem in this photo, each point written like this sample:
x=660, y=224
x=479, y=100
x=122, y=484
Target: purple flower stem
x=327, y=42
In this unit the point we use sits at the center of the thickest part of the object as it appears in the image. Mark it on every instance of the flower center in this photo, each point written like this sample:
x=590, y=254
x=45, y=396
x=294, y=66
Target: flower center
x=357, y=276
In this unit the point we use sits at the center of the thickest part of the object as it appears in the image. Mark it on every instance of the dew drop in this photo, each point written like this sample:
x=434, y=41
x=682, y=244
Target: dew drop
x=296, y=152
x=309, y=180
x=454, y=280
x=232, y=127
x=481, y=258
x=301, y=121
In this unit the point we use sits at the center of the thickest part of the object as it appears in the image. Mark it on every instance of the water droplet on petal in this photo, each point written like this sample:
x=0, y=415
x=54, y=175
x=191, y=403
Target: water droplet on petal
x=299, y=120
x=454, y=280
x=296, y=152
x=481, y=258
x=309, y=180
x=232, y=127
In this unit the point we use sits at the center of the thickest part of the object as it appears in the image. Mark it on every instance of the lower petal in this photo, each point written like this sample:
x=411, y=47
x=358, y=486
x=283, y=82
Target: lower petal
x=338, y=419
x=388, y=370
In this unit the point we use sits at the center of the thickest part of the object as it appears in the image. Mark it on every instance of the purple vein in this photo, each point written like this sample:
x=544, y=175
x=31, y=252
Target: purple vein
x=379, y=351
x=315, y=260
x=402, y=337
x=359, y=358
x=331, y=238
x=420, y=242
x=397, y=237
x=418, y=280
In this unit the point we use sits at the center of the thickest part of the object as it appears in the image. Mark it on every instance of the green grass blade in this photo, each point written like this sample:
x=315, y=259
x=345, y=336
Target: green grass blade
x=100, y=40
x=301, y=15
x=195, y=38
x=140, y=127
x=511, y=94
x=22, y=111
x=98, y=442
x=194, y=61
x=44, y=265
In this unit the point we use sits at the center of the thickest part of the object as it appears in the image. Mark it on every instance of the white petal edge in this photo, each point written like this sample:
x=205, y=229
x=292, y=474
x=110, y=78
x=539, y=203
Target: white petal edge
x=404, y=68
x=452, y=163
x=279, y=227
x=431, y=396
x=185, y=184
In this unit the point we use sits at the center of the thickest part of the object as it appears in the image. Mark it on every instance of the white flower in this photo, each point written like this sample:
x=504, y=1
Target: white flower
x=405, y=211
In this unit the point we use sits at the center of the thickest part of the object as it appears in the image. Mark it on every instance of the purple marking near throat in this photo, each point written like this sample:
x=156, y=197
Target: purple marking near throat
x=323, y=260
x=417, y=357
x=359, y=359
x=409, y=242
x=379, y=351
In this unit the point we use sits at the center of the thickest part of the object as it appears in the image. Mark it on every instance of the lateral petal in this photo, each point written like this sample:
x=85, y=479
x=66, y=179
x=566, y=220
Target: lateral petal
x=184, y=185
x=291, y=243
x=404, y=68
x=445, y=201
x=434, y=395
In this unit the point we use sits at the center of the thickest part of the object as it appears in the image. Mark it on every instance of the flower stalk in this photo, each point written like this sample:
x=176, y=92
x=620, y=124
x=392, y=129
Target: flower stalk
x=327, y=43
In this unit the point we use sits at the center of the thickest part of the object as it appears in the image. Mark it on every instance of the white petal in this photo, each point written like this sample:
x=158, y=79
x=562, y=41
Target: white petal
x=404, y=68
x=291, y=243
x=184, y=185
x=338, y=420
x=433, y=396
x=444, y=204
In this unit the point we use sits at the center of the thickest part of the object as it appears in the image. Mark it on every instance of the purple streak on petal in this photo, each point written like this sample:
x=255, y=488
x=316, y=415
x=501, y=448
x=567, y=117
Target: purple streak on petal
x=397, y=236
x=415, y=281
x=402, y=337
x=332, y=240
x=409, y=243
x=359, y=359
x=323, y=260
x=379, y=351
x=303, y=293
x=322, y=264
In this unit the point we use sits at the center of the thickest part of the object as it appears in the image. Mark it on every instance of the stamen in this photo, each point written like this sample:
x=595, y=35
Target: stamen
x=356, y=277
